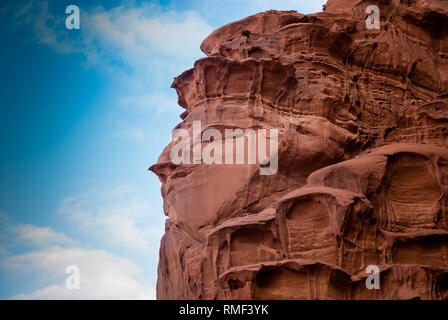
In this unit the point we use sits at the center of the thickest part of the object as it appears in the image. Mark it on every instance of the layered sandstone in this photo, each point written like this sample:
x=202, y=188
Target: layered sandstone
x=363, y=160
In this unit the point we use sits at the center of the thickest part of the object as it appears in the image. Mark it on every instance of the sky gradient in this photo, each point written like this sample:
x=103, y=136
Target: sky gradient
x=84, y=113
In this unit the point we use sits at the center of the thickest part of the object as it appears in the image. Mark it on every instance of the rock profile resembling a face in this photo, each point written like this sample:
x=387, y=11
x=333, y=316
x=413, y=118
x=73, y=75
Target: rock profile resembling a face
x=360, y=118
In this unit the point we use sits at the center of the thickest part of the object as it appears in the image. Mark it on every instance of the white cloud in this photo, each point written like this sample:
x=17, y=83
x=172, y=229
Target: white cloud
x=14, y=234
x=33, y=235
x=102, y=274
x=140, y=34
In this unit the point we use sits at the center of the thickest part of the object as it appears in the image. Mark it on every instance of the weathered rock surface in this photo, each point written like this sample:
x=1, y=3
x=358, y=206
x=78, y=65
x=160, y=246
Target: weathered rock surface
x=363, y=159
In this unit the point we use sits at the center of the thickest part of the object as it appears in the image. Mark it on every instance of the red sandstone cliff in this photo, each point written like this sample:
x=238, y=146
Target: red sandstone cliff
x=363, y=160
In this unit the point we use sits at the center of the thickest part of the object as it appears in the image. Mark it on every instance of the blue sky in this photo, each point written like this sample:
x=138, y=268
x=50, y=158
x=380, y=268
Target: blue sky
x=84, y=113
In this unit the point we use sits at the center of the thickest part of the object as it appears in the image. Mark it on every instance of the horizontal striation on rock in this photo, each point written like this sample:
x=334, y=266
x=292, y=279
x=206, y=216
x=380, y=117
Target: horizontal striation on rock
x=363, y=159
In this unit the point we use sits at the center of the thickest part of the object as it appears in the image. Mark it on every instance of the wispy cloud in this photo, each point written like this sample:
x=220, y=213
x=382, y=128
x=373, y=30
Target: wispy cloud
x=118, y=217
x=39, y=236
x=132, y=133
x=46, y=27
x=162, y=101
x=15, y=234
x=144, y=36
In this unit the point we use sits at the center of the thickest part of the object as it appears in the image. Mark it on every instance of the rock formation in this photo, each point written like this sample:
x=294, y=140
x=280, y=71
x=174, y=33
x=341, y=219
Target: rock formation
x=362, y=116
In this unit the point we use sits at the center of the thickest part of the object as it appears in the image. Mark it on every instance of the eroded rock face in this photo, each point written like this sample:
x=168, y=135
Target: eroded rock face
x=363, y=160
